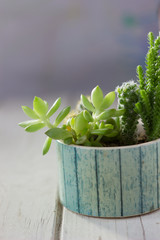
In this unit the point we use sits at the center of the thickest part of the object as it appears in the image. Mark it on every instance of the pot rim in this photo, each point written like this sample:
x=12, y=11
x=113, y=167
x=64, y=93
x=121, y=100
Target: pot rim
x=112, y=148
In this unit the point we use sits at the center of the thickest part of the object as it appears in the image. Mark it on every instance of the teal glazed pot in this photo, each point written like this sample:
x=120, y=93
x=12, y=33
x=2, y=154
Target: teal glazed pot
x=110, y=182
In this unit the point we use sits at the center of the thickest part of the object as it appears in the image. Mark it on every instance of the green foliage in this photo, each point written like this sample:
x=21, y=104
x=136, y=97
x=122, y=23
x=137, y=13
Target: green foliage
x=128, y=95
x=97, y=97
x=86, y=104
x=148, y=105
x=41, y=116
x=47, y=145
x=40, y=107
x=54, y=108
x=91, y=125
x=61, y=116
x=58, y=133
x=95, y=123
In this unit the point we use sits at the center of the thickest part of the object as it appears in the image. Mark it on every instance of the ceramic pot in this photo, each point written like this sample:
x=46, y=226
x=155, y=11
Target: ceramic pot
x=110, y=182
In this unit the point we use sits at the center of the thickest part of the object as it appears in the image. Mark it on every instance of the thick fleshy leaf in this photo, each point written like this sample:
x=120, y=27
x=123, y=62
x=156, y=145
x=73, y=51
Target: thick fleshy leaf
x=87, y=104
x=34, y=127
x=58, y=133
x=80, y=123
x=102, y=125
x=112, y=121
x=110, y=113
x=109, y=126
x=72, y=121
x=99, y=131
x=96, y=144
x=62, y=115
x=28, y=123
x=87, y=116
x=118, y=124
x=114, y=133
x=81, y=140
x=108, y=100
x=29, y=112
x=46, y=104
x=54, y=108
x=68, y=140
x=119, y=113
x=47, y=145
x=97, y=97
x=40, y=106
x=106, y=114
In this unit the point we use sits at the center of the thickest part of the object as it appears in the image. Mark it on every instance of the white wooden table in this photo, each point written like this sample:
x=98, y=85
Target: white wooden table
x=28, y=192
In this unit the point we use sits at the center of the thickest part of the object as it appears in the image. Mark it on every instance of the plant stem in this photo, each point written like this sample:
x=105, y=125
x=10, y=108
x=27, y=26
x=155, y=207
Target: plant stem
x=47, y=122
x=99, y=138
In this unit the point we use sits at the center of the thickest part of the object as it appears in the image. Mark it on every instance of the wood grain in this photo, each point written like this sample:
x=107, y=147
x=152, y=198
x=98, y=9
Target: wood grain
x=109, y=182
x=28, y=181
x=75, y=226
x=28, y=184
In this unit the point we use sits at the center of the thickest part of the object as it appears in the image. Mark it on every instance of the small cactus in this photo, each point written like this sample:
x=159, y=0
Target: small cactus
x=127, y=98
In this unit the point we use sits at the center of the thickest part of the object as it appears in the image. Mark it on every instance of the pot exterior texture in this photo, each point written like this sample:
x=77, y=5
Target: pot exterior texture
x=113, y=182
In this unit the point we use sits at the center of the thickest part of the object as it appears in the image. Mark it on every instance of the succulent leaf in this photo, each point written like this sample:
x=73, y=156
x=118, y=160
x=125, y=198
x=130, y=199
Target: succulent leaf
x=47, y=145
x=28, y=123
x=97, y=97
x=87, y=104
x=80, y=123
x=34, y=127
x=54, y=108
x=40, y=107
x=62, y=115
x=58, y=133
x=108, y=100
x=29, y=112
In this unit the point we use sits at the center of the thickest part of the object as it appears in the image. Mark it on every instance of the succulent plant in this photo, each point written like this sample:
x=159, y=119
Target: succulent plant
x=41, y=118
x=95, y=123
x=89, y=126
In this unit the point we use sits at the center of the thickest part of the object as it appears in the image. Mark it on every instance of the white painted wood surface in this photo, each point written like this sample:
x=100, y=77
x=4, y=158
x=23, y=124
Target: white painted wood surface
x=28, y=180
x=78, y=227
x=28, y=184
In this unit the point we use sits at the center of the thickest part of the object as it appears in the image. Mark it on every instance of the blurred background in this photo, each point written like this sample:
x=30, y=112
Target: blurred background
x=67, y=47
x=53, y=48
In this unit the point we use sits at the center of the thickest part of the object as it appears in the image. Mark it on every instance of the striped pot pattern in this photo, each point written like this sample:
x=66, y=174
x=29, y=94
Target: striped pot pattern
x=110, y=182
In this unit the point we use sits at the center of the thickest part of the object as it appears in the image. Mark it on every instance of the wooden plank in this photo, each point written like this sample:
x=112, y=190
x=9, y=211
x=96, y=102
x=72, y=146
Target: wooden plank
x=131, y=187
x=57, y=219
x=158, y=173
x=88, y=188
x=151, y=225
x=108, y=182
x=75, y=226
x=28, y=181
x=69, y=169
x=149, y=177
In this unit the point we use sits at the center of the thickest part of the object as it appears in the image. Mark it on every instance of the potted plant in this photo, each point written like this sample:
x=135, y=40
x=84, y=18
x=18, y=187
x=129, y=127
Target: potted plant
x=107, y=167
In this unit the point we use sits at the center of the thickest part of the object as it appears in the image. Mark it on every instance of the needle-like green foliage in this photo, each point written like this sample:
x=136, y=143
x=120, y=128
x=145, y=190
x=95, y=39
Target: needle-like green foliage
x=148, y=105
x=128, y=95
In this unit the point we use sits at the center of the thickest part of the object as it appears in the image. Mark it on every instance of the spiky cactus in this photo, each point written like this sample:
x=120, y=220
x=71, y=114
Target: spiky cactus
x=148, y=105
x=127, y=98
